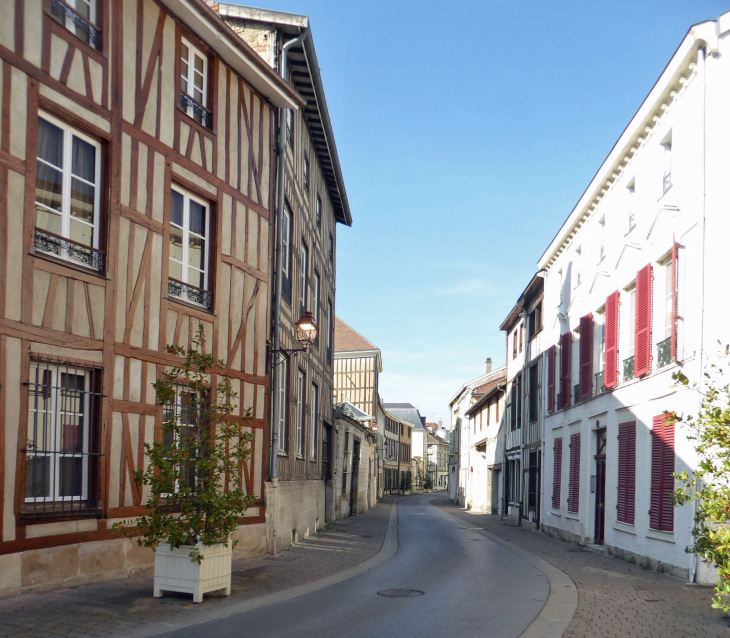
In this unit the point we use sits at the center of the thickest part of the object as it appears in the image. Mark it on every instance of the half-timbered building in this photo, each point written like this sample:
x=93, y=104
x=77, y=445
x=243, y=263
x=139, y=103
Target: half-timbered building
x=313, y=202
x=136, y=198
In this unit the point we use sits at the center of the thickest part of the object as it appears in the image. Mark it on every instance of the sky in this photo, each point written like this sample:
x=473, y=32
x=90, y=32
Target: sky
x=466, y=132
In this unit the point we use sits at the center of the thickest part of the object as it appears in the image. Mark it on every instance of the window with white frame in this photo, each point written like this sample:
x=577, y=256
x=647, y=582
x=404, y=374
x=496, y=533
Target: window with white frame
x=313, y=423
x=300, y=414
x=632, y=322
x=79, y=17
x=283, y=404
x=62, y=459
x=189, y=246
x=303, y=265
x=668, y=298
x=194, y=83
x=187, y=410
x=67, y=194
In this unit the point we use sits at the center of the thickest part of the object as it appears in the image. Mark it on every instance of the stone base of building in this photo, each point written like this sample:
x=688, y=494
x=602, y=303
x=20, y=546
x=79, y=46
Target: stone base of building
x=618, y=552
x=294, y=511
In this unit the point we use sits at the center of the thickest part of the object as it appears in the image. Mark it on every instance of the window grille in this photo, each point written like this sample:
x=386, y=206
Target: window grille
x=62, y=452
x=77, y=16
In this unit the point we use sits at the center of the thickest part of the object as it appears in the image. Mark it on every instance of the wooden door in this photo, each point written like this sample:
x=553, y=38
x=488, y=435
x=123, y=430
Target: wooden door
x=600, y=516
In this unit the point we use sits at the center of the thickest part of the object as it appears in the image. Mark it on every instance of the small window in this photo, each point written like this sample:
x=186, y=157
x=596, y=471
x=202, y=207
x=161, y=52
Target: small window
x=319, y=212
x=194, y=84
x=303, y=265
x=79, y=17
x=305, y=176
x=189, y=239
x=313, y=423
x=300, y=414
x=534, y=321
x=62, y=450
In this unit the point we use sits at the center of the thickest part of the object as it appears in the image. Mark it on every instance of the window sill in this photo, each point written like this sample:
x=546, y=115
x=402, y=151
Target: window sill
x=192, y=306
x=190, y=121
x=66, y=263
x=282, y=454
x=658, y=535
x=627, y=528
x=573, y=516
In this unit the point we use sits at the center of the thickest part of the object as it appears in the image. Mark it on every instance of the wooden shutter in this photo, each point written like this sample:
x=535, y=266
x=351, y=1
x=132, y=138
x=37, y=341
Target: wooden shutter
x=551, y=379
x=586, y=356
x=610, y=373
x=626, y=472
x=675, y=290
x=642, y=353
x=566, y=342
x=557, y=471
x=574, y=480
x=661, y=514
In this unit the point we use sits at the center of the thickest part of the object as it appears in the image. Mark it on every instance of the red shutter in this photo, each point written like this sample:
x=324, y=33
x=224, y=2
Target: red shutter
x=642, y=354
x=566, y=342
x=586, y=356
x=661, y=514
x=574, y=480
x=675, y=272
x=610, y=373
x=551, y=379
x=626, y=472
x=557, y=471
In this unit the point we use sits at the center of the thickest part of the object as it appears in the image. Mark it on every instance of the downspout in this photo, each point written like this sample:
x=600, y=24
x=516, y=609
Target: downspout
x=275, y=337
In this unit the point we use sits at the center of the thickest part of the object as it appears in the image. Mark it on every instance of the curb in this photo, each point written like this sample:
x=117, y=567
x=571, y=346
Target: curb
x=390, y=546
x=562, y=601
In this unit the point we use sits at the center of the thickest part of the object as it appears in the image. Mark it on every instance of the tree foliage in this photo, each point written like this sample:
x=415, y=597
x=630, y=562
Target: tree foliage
x=195, y=472
x=709, y=485
x=428, y=482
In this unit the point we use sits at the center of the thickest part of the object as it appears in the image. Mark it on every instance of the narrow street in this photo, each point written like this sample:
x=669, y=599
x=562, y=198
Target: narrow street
x=468, y=582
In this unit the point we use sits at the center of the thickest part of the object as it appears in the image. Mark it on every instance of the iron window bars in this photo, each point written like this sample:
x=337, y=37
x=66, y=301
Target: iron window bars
x=186, y=292
x=198, y=112
x=52, y=244
x=664, y=352
x=628, y=369
x=76, y=23
x=62, y=452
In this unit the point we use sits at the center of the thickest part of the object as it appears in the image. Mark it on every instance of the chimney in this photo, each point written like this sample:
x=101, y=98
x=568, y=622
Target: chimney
x=489, y=364
x=441, y=425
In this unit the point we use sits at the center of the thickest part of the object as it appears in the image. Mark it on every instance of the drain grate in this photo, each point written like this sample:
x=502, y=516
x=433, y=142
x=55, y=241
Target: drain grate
x=400, y=593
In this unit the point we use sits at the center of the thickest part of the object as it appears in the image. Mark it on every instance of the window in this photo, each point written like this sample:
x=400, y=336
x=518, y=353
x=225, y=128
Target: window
x=332, y=249
x=286, y=253
x=62, y=450
x=585, y=347
x=661, y=512
x=626, y=502
x=189, y=228
x=303, y=263
x=514, y=345
x=318, y=211
x=566, y=347
x=283, y=405
x=534, y=321
x=610, y=371
x=315, y=303
x=79, y=17
x=551, y=379
x=574, y=478
x=643, y=304
x=330, y=330
x=300, y=414
x=522, y=332
x=668, y=299
x=557, y=471
x=667, y=153
x=534, y=392
x=305, y=175
x=194, y=83
x=67, y=194
x=313, y=424
x=183, y=408
x=345, y=463
x=290, y=127
x=632, y=323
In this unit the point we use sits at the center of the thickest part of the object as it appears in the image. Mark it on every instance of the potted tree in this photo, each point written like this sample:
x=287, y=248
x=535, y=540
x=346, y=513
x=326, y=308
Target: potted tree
x=428, y=483
x=197, y=494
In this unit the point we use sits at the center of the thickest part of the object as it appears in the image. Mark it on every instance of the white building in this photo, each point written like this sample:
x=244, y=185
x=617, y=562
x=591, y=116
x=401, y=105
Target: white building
x=631, y=285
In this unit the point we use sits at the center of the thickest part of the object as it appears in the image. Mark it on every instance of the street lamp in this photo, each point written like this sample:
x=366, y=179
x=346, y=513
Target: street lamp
x=307, y=331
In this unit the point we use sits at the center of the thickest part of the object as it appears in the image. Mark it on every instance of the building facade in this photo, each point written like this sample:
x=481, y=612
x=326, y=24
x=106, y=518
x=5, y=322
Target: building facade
x=136, y=204
x=313, y=202
x=634, y=275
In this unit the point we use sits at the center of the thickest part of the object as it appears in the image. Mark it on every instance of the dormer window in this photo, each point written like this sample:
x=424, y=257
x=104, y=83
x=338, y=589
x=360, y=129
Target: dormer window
x=194, y=84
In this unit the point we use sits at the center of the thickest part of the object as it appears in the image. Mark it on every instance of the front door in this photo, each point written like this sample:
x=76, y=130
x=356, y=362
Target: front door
x=600, y=457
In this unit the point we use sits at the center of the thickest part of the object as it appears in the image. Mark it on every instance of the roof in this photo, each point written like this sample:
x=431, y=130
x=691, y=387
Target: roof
x=474, y=383
x=308, y=83
x=212, y=30
x=347, y=339
x=354, y=412
x=405, y=412
x=486, y=387
x=491, y=391
x=533, y=288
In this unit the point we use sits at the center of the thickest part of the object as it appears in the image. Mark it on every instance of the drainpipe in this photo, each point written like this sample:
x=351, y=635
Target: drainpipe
x=521, y=399
x=275, y=337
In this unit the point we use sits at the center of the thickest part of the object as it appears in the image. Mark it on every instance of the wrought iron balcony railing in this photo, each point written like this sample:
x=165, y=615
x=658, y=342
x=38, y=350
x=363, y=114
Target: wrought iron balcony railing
x=198, y=112
x=664, y=352
x=186, y=292
x=51, y=244
x=628, y=369
x=83, y=28
x=598, y=387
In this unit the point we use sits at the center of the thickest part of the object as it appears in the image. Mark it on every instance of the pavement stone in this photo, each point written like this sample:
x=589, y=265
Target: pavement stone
x=616, y=599
x=120, y=606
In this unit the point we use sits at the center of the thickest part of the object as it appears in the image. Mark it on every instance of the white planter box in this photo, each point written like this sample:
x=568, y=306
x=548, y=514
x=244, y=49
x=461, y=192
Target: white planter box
x=175, y=571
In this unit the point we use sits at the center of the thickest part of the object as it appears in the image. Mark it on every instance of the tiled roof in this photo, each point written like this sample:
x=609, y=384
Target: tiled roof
x=486, y=387
x=347, y=339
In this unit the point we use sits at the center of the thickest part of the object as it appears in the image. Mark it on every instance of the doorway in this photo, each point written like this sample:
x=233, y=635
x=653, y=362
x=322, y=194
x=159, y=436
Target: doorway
x=354, y=477
x=600, y=517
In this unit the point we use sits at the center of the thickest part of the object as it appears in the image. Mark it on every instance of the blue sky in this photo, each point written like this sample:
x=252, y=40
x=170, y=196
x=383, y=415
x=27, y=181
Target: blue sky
x=467, y=131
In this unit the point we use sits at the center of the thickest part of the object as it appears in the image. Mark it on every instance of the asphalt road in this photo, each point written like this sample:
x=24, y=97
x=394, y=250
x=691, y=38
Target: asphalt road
x=472, y=587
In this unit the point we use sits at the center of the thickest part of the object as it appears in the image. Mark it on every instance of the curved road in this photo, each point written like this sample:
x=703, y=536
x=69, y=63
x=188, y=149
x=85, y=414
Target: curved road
x=472, y=587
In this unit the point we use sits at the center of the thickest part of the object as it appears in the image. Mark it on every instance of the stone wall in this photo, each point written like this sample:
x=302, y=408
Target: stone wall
x=294, y=511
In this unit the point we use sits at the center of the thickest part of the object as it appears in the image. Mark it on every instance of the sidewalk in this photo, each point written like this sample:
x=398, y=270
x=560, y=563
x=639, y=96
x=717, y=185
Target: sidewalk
x=123, y=606
x=616, y=599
